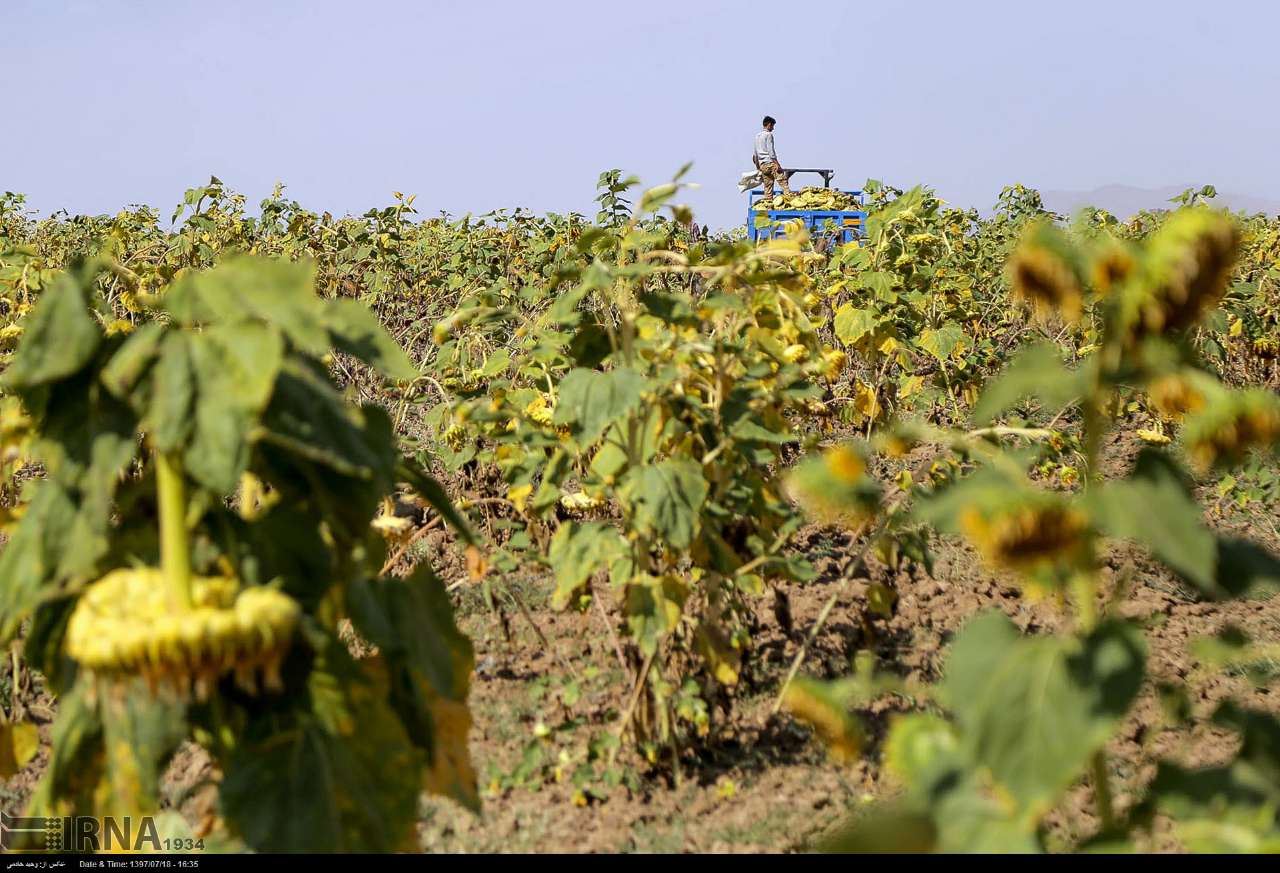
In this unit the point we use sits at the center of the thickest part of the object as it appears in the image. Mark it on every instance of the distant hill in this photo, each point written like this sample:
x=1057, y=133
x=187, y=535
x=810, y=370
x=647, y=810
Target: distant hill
x=1125, y=200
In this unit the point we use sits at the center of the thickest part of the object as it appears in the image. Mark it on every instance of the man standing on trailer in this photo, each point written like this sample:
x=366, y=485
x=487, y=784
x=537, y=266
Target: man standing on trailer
x=766, y=160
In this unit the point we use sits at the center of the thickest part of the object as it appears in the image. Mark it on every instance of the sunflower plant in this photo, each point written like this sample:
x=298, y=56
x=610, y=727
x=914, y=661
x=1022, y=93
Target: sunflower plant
x=1017, y=721
x=203, y=528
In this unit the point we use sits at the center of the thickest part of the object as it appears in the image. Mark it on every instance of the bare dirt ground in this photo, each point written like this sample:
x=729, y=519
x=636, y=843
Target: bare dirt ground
x=766, y=784
x=550, y=686
x=784, y=792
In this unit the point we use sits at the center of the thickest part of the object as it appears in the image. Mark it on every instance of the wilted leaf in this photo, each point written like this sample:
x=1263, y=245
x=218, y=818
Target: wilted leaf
x=944, y=342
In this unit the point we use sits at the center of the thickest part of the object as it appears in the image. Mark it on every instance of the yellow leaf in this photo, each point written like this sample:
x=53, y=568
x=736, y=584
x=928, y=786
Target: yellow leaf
x=450, y=773
x=477, y=564
x=1237, y=327
x=866, y=402
x=811, y=702
x=881, y=598
x=720, y=654
x=519, y=495
x=18, y=745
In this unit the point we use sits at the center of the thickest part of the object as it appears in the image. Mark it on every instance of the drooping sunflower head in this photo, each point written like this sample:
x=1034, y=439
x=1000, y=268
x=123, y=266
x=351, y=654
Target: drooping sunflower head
x=1112, y=264
x=1233, y=425
x=1028, y=535
x=1044, y=273
x=1184, y=273
x=835, y=488
x=126, y=625
x=1175, y=394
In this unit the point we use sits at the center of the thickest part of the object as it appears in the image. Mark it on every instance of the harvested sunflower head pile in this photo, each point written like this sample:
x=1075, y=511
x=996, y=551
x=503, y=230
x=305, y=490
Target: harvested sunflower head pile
x=813, y=198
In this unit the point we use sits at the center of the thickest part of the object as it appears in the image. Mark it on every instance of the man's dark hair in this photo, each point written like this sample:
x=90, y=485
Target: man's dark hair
x=768, y=120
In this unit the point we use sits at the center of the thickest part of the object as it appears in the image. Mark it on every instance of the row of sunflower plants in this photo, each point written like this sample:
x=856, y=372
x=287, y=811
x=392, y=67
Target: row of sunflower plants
x=1017, y=721
x=638, y=417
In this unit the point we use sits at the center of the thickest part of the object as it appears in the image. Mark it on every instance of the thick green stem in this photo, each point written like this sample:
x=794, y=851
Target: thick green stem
x=1082, y=591
x=1102, y=793
x=175, y=553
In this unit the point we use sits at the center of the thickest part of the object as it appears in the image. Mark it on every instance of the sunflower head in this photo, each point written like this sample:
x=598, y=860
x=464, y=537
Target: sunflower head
x=835, y=488
x=1225, y=431
x=1174, y=395
x=1184, y=273
x=125, y=625
x=1030, y=536
x=1112, y=264
x=1044, y=273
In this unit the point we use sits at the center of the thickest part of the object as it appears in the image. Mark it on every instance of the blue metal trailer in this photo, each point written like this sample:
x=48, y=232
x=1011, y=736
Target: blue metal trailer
x=842, y=226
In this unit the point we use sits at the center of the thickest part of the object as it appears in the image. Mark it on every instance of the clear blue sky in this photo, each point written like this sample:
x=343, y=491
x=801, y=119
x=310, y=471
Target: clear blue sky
x=475, y=105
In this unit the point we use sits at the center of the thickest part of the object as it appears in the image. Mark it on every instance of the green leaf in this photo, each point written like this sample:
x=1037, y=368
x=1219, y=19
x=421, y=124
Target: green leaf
x=140, y=733
x=654, y=605
x=311, y=790
x=275, y=293
x=852, y=324
x=1154, y=507
x=944, y=342
x=29, y=559
x=285, y=544
x=59, y=339
x=308, y=417
x=590, y=346
x=410, y=619
x=133, y=359
x=1233, y=807
x=590, y=401
x=1245, y=569
x=666, y=499
x=428, y=665
x=251, y=355
x=577, y=550
x=887, y=828
x=357, y=331
x=87, y=436
x=71, y=777
x=1034, y=709
x=342, y=777
x=671, y=308
x=922, y=750
x=1036, y=371
x=878, y=282
x=218, y=448
x=173, y=395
